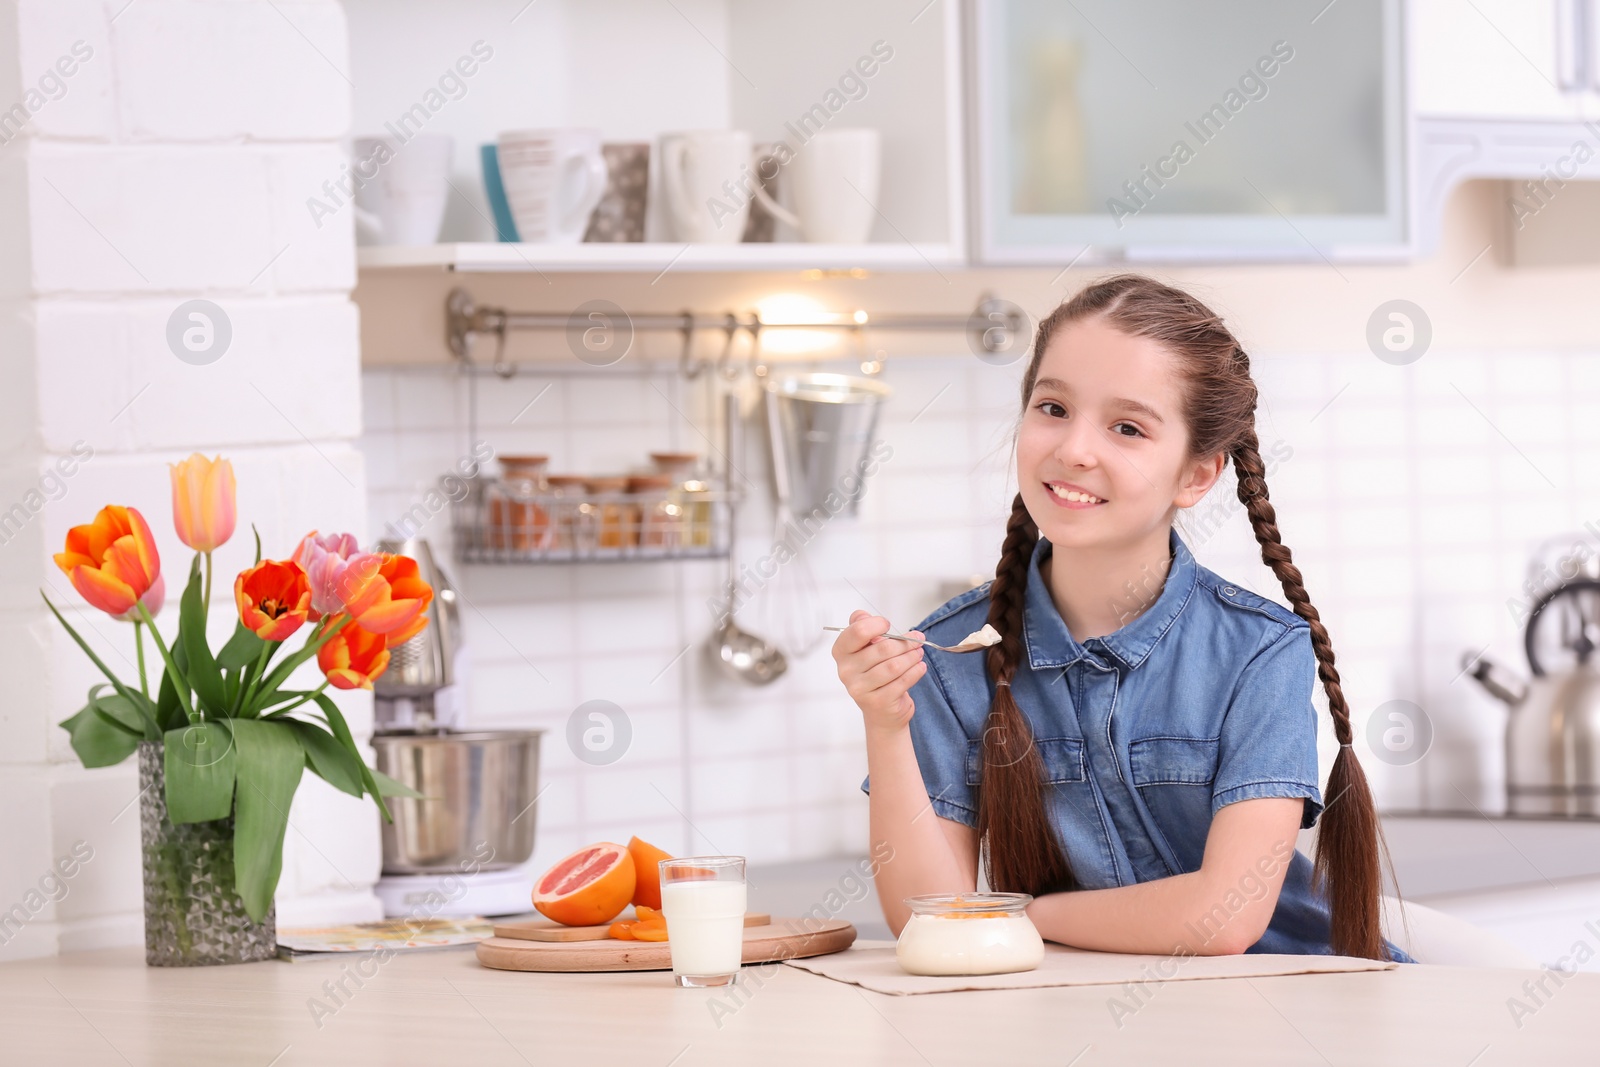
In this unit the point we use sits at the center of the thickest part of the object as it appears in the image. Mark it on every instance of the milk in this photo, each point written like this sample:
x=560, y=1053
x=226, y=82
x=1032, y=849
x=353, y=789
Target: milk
x=705, y=925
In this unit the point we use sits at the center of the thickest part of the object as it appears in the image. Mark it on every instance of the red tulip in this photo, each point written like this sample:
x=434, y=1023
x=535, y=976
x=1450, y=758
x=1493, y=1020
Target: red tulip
x=112, y=561
x=386, y=595
x=274, y=598
x=353, y=658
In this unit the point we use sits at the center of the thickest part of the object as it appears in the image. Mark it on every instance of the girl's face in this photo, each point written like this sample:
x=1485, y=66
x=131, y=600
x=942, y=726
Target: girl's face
x=1103, y=451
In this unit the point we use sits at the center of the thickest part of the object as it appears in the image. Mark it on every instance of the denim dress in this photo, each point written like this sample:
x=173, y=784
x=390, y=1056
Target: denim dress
x=1144, y=734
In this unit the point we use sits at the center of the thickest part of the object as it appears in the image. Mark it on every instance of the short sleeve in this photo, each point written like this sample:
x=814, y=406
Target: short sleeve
x=1268, y=744
x=941, y=745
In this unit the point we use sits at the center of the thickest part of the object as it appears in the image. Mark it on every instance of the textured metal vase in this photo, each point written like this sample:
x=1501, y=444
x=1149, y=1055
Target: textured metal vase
x=192, y=915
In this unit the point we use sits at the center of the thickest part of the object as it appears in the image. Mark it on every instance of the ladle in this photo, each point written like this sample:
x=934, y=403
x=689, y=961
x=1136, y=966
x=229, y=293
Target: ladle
x=742, y=655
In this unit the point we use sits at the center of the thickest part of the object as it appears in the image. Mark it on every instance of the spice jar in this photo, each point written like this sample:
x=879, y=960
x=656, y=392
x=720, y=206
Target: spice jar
x=969, y=933
x=516, y=519
x=616, y=521
x=690, y=493
x=660, y=515
x=567, y=493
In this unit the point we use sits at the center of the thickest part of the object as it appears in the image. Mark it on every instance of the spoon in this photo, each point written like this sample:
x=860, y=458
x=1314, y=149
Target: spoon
x=740, y=654
x=971, y=643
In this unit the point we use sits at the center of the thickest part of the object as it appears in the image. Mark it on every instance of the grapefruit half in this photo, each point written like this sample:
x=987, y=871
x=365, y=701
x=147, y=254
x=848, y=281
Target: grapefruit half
x=587, y=888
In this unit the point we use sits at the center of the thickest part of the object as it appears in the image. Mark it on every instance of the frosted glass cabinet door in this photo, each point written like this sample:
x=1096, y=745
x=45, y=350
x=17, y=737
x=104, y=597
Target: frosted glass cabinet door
x=1224, y=129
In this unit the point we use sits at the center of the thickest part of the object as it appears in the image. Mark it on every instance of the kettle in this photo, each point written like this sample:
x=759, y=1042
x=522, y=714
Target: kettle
x=426, y=663
x=1553, y=732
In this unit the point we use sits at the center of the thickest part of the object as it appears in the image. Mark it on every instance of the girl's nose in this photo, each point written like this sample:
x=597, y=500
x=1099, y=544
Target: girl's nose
x=1080, y=443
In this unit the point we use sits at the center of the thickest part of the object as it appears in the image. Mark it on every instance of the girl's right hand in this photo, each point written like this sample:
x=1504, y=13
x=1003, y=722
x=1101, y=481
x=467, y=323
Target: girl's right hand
x=878, y=672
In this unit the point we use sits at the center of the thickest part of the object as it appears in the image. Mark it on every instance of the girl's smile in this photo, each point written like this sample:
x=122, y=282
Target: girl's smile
x=1073, y=497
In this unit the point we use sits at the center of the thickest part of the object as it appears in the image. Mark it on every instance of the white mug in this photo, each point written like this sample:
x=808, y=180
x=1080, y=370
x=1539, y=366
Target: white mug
x=553, y=179
x=701, y=175
x=833, y=183
x=403, y=186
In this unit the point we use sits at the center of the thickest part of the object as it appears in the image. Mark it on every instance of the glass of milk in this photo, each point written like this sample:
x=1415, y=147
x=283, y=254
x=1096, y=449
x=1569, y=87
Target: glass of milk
x=703, y=899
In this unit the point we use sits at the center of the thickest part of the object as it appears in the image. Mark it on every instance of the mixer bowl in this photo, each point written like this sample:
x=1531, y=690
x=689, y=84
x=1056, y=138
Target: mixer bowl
x=477, y=805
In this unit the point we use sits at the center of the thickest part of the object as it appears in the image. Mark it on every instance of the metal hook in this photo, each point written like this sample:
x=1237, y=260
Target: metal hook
x=501, y=367
x=690, y=369
x=731, y=325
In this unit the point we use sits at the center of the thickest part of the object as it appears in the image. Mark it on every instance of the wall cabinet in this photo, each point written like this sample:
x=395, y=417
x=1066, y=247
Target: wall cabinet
x=1172, y=130
x=1505, y=59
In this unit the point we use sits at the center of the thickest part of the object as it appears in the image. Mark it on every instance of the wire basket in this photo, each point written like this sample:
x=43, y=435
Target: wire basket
x=505, y=522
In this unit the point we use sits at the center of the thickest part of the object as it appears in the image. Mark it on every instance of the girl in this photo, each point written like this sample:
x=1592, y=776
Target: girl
x=1139, y=750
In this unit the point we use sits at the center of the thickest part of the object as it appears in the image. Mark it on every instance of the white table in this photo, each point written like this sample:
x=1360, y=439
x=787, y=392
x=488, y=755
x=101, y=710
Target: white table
x=442, y=1009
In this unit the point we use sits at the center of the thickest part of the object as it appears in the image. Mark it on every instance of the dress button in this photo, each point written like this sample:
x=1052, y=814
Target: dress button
x=1228, y=590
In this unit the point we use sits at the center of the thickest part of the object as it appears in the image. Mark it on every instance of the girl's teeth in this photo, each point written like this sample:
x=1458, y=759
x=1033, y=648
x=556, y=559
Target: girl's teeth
x=1073, y=495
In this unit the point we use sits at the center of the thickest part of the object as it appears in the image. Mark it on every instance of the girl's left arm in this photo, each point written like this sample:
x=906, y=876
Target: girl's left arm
x=1221, y=909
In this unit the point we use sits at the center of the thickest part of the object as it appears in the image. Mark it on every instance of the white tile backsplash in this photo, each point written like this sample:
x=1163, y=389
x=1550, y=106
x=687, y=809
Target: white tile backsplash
x=1410, y=513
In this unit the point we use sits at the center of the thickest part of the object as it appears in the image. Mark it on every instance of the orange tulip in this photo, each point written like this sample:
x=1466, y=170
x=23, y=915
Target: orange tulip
x=386, y=595
x=274, y=598
x=153, y=600
x=203, y=508
x=353, y=658
x=112, y=562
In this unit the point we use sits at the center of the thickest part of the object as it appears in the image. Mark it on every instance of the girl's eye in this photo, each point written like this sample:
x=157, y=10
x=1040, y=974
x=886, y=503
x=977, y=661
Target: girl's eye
x=1051, y=404
x=1127, y=429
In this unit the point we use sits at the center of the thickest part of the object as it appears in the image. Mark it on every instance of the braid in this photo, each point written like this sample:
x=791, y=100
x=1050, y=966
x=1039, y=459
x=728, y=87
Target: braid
x=1011, y=796
x=1347, y=860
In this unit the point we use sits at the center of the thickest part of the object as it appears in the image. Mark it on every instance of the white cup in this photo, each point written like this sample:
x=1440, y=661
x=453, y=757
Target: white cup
x=553, y=179
x=698, y=168
x=833, y=184
x=403, y=187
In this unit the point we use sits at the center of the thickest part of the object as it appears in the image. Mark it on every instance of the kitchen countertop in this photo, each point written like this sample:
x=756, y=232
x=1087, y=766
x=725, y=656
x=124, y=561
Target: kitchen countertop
x=439, y=1007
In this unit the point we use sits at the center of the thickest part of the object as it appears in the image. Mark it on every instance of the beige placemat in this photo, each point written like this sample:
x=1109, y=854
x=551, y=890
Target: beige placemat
x=871, y=965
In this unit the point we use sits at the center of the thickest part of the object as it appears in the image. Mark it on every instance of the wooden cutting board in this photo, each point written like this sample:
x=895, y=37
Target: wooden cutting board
x=550, y=930
x=781, y=939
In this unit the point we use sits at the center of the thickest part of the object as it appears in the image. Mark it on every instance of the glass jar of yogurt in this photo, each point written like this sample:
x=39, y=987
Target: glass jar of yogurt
x=969, y=933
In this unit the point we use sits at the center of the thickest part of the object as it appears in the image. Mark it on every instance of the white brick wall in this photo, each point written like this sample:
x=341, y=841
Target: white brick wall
x=1382, y=503
x=171, y=160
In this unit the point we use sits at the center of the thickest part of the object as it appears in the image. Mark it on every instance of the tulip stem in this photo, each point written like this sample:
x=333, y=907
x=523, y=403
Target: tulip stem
x=138, y=643
x=306, y=699
x=180, y=684
x=205, y=603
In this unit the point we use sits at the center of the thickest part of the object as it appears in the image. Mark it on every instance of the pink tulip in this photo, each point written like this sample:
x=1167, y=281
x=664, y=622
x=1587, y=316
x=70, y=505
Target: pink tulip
x=326, y=560
x=203, y=505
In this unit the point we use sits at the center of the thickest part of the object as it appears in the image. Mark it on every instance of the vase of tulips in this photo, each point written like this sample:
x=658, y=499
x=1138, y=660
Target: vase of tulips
x=222, y=736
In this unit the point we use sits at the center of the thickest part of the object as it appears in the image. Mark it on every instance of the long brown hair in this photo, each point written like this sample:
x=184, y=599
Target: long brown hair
x=1022, y=853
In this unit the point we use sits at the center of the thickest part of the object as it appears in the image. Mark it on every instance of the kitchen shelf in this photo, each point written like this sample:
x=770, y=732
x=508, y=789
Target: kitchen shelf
x=655, y=257
x=507, y=524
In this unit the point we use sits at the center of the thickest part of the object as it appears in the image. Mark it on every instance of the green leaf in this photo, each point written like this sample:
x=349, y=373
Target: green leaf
x=269, y=764
x=200, y=763
x=242, y=649
x=391, y=788
x=116, y=682
x=202, y=670
x=341, y=731
x=95, y=739
x=328, y=759
x=133, y=714
x=169, y=710
x=258, y=542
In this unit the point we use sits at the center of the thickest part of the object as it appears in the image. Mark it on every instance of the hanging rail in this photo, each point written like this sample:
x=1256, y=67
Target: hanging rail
x=993, y=327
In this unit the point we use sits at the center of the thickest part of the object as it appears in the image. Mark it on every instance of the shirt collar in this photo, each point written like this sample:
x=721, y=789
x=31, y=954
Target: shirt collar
x=1050, y=644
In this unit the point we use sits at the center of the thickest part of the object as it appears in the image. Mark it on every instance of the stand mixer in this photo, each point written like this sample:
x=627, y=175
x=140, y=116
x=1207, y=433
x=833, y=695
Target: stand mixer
x=458, y=851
